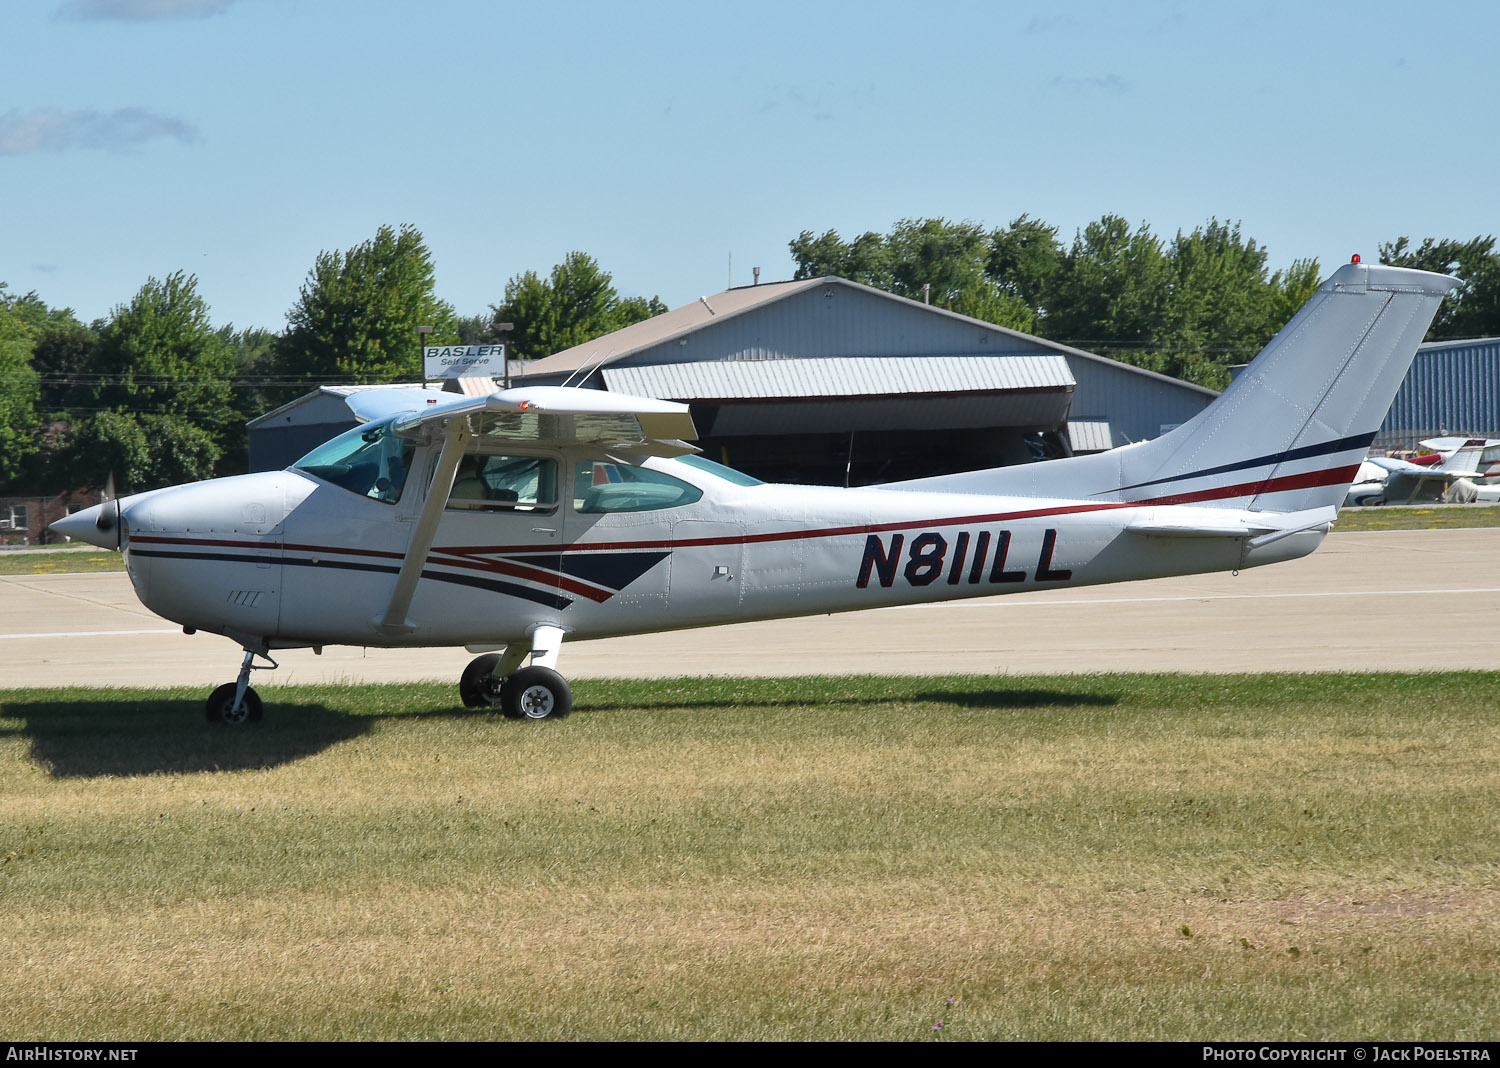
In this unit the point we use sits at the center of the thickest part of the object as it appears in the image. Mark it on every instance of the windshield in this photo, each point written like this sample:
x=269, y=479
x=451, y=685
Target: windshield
x=728, y=474
x=369, y=460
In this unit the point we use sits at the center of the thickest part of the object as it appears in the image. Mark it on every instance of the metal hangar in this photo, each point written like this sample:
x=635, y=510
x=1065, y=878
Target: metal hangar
x=829, y=382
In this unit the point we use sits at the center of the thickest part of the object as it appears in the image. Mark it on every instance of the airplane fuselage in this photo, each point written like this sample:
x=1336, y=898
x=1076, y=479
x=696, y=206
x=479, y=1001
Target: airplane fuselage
x=285, y=559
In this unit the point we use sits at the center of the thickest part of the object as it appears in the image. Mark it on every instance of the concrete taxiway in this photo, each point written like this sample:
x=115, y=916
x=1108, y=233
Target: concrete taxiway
x=1398, y=601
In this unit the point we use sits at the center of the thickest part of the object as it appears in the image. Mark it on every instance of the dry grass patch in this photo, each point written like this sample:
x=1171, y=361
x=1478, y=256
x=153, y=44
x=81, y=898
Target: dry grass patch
x=1158, y=857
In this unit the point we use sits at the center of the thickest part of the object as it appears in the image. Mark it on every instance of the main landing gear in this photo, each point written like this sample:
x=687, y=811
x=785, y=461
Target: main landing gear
x=536, y=691
x=235, y=703
x=493, y=680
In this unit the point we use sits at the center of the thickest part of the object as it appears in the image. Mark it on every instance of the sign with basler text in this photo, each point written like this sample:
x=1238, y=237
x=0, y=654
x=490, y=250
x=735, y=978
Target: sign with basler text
x=462, y=361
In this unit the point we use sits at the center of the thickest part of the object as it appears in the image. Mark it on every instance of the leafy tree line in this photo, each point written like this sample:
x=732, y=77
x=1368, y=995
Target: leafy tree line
x=156, y=394
x=1189, y=307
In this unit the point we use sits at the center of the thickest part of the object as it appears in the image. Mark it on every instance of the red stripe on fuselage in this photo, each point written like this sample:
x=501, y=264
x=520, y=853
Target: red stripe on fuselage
x=1331, y=477
x=1308, y=480
x=530, y=574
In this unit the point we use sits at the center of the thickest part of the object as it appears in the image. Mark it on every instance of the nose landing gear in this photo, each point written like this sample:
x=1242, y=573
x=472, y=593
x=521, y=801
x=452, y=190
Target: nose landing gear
x=235, y=703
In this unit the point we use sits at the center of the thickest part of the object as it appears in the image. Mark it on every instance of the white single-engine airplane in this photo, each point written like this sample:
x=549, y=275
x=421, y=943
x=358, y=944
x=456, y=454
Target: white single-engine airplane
x=509, y=522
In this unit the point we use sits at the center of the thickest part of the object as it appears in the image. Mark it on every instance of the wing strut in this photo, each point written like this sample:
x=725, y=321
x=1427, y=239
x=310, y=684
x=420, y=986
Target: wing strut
x=455, y=439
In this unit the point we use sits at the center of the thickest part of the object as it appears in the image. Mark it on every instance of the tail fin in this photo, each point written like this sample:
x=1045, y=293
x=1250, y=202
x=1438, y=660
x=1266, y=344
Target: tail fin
x=1288, y=434
x=1464, y=461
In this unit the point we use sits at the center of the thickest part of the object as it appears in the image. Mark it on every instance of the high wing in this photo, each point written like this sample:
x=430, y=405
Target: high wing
x=1449, y=445
x=1463, y=463
x=1409, y=469
x=548, y=415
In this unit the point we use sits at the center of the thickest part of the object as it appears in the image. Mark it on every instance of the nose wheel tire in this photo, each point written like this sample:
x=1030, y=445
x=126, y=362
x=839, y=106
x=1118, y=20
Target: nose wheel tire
x=478, y=686
x=536, y=693
x=220, y=707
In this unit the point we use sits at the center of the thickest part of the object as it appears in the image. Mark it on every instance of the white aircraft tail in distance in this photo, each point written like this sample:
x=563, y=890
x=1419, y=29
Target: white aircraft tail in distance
x=514, y=522
x=1387, y=480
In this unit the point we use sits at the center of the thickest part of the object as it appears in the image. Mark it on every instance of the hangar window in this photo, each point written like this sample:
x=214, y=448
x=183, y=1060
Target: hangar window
x=369, y=460
x=600, y=487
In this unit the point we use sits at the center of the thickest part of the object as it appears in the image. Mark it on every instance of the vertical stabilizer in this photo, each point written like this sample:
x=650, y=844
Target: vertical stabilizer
x=1288, y=434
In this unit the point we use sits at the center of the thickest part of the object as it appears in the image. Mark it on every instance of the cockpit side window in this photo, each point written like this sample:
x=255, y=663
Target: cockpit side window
x=504, y=483
x=369, y=460
x=600, y=487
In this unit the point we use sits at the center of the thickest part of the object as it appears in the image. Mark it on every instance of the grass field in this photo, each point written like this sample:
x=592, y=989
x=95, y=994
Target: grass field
x=1417, y=517
x=1107, y=857
x=42, y=562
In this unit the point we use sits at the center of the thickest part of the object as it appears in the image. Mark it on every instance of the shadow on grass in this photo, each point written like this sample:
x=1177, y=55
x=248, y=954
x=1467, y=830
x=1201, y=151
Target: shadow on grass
x=991, y=699
x=999, y=699
x=92, y=738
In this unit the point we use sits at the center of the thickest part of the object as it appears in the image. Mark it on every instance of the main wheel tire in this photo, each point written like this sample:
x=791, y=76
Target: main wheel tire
x=536, y=693
x=478, y=685
x=220, y=707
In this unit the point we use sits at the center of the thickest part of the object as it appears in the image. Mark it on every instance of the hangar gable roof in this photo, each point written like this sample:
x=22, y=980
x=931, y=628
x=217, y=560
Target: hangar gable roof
x=616, y=348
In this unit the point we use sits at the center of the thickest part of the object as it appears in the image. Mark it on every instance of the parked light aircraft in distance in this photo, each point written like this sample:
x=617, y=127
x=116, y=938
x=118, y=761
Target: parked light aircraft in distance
x=510, y=522
x=1387, y=480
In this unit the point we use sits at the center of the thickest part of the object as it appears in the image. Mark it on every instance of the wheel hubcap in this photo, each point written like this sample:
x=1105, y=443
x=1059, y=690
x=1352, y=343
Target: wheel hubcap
x=536, y=702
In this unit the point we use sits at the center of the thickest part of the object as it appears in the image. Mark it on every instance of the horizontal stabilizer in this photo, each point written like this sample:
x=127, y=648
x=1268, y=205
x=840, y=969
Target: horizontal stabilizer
x=1207, y=523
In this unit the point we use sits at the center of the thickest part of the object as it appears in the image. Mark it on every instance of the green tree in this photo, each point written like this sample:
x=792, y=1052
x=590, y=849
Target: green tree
x=1292, y=288
x=141, y=451
x=160, y=355
x=357, y=316
x=64, y=358
x=150, y=398
x=1110, y=289
x=941, y=261
x=1024, y=259
x=865, y=259
x=19, y=390
x=574, y=305
x=1472, y=310
x=944, y=263
x=1218, y=302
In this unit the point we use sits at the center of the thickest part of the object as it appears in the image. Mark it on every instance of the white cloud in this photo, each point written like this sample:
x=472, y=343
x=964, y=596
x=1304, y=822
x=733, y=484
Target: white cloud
x=113, y=131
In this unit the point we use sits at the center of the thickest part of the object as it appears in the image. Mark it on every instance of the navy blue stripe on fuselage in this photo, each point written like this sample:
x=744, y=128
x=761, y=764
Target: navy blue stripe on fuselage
x=511, y=589
x=1358, y=441
x=613, y=570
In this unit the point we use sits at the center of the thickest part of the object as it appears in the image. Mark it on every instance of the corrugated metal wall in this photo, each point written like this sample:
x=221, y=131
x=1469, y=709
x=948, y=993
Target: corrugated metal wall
x=1453, y=387
x=1137, y=406
x=843, y=321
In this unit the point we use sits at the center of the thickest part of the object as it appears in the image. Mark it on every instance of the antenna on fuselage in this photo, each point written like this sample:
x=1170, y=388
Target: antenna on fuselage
x=587, y=369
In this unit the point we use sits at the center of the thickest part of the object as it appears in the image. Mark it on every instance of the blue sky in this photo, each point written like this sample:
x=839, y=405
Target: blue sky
x=235, y=139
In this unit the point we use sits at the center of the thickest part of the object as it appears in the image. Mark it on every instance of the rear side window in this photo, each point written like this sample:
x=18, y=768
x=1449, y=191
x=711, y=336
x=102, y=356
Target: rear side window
x=600, y=487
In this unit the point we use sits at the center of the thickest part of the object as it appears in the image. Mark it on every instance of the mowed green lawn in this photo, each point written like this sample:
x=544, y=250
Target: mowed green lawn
x=1107, y=857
